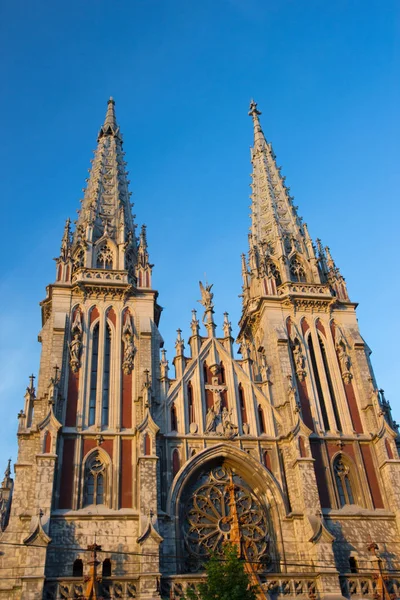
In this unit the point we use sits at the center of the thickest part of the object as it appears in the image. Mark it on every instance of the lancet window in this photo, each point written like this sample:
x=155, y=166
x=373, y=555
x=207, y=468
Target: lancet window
x=330, y=385
x=77, y=568
x=190, y=403
x=174, y=420
x=95, y=481
x=297, y=272
x=106, y=377
x=93, y=375
x=261, y=419
x=343, y=482
x=318, y=385
x=274, y=271
x=242, y=403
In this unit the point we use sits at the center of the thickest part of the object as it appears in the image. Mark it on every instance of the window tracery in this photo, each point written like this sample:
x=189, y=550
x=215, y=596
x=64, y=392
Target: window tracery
x=343, y=482
x=218, y=505
x=297, y=272
x=274, y=271
x=95, y=481
x=105, y=257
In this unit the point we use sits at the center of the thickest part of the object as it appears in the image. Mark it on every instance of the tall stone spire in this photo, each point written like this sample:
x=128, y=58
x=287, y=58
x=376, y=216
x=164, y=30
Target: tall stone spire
x=279, y=243
x=105, y=231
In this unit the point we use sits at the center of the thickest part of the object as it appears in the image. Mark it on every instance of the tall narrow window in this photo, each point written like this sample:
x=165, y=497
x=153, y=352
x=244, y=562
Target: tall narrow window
x=106, y=570
x=261, y=419
x=222, y=373
x=330, y=386
x=174, y=420
x=106, y=377
x=242, y=403
x=353, y=565
x=318, y=384
x=95, y=473
x=205, y=372
x=93, y=375
x=343, y=483
x=190, y=402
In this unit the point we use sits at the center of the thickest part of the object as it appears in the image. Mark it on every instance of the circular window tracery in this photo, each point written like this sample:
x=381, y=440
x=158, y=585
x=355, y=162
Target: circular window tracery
x=220, y=509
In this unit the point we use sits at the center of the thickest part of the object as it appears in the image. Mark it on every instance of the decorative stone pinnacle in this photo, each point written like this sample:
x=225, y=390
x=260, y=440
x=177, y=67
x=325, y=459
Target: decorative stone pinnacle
x=227, y=326
x=194, y=324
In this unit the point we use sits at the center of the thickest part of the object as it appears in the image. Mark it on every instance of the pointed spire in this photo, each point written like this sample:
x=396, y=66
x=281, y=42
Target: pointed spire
x=110, y=122
x=277, y=237
x=226, y=326
x=259, y=138
x=179, y=344
x=105, y=230
x=7, y=481
x=65, y=251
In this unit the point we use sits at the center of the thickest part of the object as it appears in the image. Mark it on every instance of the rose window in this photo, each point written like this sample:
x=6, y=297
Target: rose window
x=222, y=508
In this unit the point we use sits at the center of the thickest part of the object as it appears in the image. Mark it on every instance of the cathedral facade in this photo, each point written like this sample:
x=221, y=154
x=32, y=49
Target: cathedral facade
x=130, y=473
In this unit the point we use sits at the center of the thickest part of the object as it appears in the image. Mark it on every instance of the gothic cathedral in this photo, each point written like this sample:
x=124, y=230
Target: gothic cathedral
x=130, y=473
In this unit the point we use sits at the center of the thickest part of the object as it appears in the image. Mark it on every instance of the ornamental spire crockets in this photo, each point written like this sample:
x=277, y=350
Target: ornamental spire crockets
x=104, y=237
x=280, y=246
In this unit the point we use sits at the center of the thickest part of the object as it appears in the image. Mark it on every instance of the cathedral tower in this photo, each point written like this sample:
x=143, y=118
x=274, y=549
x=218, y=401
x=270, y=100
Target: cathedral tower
x=130, y=474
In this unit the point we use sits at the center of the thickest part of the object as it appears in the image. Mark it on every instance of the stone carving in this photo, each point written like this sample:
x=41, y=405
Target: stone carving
x=129, y=348
x=206, y=296
x=298, y=359
x=75, y=345
x=218, y=418
x=344, y=360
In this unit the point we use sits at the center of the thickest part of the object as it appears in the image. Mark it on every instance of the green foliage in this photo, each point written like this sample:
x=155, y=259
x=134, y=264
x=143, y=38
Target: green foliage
x=226, y=579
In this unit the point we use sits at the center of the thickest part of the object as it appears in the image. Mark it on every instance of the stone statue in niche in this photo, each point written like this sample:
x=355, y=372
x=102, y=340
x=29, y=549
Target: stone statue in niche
x=229, y=429
x=298, y=360
x=129, y=348
x=75, y=345
x=344, y=361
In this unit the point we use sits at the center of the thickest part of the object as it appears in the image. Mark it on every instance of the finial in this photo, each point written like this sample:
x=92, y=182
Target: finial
x=194, y=324
x=253, y=110
x=179, y=344
x=143, y=237
x=226, y=326
x=110, y=122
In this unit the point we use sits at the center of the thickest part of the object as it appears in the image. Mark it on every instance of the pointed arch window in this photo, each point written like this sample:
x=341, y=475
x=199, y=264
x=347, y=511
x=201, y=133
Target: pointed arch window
x=105, y=257
x=353, y=565
x=93, y=375
x=318, y=384
x=242, y=404
x=329, y=382
x=95, y=480
x=106, y=377
x=274, y=271
x=343, y=483
x=190, y=403
x=297, y=272
x=261, y=419
x=222, y=373
x=106, y=568
x=174, y=419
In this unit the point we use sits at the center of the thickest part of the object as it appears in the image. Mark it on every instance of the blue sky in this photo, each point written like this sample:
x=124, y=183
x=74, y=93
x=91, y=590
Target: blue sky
x=326, y=78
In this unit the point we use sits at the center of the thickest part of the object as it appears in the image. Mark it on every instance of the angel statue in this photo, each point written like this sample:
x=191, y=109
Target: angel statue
x=206, y=296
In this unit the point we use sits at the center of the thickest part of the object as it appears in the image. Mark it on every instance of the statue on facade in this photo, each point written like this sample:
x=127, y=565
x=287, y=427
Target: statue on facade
x=206, y=296
x=129, y=348
x=210, y=420
x=75, y=345
x=298, y=359
x=230, y=429
x=344, y=361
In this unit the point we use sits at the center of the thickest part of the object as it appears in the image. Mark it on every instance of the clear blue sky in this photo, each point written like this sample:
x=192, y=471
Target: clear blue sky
x=324, y=74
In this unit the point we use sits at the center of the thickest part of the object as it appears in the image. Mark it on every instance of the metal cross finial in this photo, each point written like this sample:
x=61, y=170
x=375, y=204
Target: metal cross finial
x=253, y=110
x=31, y=379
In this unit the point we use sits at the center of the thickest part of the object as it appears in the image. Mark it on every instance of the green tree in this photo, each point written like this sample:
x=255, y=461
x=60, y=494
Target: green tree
x=226, y=579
